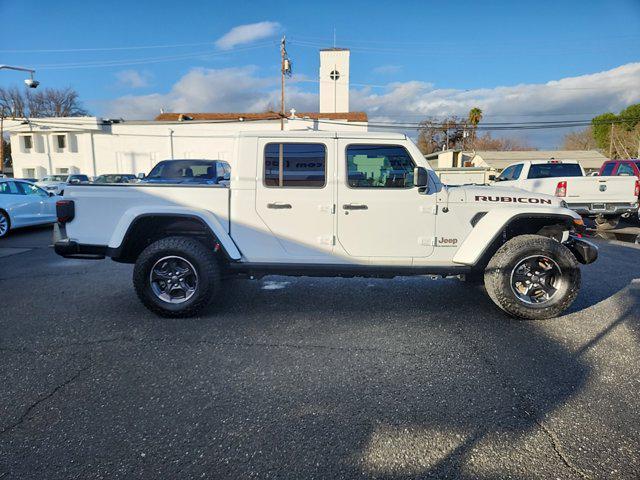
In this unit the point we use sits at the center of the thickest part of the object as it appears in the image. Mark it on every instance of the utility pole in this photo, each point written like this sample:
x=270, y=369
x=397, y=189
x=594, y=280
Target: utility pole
x=285, y=71
x=2, y=139
x=611, y=142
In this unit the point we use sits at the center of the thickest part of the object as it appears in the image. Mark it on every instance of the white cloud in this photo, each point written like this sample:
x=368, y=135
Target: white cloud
x=242, y=89
x=133, y=79
x=246, y=34
x=387, y=69
x=214, y=90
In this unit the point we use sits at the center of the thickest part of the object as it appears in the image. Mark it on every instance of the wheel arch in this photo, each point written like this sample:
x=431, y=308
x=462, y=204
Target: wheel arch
x=147, y=228
x=6, y=213
x=491, y=232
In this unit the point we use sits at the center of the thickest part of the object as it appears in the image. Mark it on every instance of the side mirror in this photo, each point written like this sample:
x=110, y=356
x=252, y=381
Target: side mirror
x=140, y=176
x=51, y=194
x=420, y=177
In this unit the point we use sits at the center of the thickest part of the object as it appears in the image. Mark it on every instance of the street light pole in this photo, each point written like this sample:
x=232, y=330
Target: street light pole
x=30, y=82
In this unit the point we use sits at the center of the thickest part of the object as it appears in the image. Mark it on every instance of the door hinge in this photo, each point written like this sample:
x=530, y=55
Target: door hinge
x=331, y=209
x=327, y=240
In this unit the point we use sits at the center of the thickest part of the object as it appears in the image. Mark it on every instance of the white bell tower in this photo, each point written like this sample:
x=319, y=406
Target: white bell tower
x=334, y=80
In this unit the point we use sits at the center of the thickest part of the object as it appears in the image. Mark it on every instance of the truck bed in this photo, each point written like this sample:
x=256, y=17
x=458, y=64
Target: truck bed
x=103, y=211
x=584, y=190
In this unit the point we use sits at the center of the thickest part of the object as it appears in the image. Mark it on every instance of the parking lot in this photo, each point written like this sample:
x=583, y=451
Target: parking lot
x=313, y=378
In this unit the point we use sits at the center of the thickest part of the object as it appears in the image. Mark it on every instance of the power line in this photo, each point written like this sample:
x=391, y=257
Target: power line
x=109, y=49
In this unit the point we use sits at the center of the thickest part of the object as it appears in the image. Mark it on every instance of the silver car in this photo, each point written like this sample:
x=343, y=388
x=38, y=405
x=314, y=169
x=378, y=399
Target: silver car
x=23, y=204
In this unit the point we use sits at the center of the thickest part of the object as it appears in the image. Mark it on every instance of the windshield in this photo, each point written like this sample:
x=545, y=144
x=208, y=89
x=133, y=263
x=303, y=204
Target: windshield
x=550, y=170
x=115, y=178
x=55, y=178
x=181, y=169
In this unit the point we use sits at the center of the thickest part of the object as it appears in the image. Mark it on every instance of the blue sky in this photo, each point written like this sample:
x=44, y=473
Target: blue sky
x=409, y=59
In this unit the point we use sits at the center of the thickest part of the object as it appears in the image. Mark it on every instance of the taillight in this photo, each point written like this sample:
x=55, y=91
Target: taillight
x=561, y=189
x=65, y=210
x=636, y=192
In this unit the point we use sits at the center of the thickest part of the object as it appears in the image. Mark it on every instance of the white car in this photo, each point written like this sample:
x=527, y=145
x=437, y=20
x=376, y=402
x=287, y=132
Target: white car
x=327, y=204
x=604, y=198
x=57, y=183
x=23, y=204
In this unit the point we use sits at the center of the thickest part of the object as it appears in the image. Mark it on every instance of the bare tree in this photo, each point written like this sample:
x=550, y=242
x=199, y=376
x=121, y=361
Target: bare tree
x=580, y=140
x=49, y=102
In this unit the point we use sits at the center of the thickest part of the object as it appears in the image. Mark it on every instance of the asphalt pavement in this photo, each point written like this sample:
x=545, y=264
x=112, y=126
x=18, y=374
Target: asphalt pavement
x=313, y=378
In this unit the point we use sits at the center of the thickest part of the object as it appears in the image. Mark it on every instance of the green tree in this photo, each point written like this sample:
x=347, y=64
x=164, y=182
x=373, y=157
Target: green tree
x=630, y=116
x=602, y=129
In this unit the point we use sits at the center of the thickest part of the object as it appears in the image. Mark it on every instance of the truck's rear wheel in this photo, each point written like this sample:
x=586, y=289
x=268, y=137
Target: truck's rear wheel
x=533, y=277
x=606, y=223
x=176, y=277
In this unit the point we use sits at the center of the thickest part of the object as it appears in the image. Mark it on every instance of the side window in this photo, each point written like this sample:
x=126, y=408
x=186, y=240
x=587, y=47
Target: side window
x=625, y=169
x=8, y=188
x=28, y=189
x=608, y=169
x=303, y=165
x=379, y=166
x=517, y=170
x=507, y=173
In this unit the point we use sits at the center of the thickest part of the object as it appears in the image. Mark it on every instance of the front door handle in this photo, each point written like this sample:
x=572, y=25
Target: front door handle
x=278, y=205
x=354, y=206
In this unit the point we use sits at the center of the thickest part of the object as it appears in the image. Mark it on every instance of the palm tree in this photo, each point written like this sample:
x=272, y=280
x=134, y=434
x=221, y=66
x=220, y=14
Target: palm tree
x=475, y=116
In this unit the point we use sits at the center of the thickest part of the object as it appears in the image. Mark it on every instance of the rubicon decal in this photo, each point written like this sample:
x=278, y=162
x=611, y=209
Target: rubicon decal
x=484, y=198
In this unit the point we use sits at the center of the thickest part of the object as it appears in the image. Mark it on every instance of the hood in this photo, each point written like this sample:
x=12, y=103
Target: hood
x=500, y=195
x=50, y=184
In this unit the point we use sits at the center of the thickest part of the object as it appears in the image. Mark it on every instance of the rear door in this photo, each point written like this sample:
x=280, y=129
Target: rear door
x=381, y=214
x=295, y=196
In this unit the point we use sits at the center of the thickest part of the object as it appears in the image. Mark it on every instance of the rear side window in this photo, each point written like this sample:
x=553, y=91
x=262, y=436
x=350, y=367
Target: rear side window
x=511, y=173
x=379, y=166
x=608, y=169
x=295, y=165
x=550, y=170
x=625, y=169
x=8, y=188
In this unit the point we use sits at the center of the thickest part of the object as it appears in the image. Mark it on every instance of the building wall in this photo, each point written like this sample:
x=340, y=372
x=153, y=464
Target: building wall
x=334, y=93
x=135, y=147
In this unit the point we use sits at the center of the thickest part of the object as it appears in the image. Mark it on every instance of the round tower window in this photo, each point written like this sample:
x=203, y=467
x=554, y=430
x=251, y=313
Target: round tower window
x=334, y=75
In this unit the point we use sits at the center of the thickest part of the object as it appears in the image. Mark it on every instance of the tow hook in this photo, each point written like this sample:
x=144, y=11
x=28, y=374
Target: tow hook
x=584, y=251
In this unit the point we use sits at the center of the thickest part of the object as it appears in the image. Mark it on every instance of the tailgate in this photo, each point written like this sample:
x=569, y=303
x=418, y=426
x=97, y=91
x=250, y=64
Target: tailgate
x=601, y=189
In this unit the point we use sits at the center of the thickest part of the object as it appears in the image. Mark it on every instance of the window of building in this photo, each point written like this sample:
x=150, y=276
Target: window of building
x=27, y=141
x=303, y=165
x=379, y=166
x=29, y=172
x=61, y=141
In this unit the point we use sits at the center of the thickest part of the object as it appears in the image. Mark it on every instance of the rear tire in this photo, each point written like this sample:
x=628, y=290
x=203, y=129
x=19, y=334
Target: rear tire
x=606, y=223
x=176, y=277
x=533, y=277
x=5, y=224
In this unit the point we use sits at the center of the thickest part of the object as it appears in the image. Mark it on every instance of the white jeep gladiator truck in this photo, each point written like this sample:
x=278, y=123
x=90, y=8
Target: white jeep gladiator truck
x=605, y=199
x=328, y=204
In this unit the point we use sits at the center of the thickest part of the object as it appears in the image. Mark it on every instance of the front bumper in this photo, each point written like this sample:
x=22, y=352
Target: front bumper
x=584, y=251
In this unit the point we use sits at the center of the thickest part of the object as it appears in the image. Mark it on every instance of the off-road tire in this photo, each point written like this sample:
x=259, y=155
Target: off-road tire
x=203, y=260
x=8, y=220
x=497, y=277
x=606, y=223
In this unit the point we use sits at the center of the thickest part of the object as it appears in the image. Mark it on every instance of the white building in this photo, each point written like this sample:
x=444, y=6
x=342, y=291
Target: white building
x=95, y=146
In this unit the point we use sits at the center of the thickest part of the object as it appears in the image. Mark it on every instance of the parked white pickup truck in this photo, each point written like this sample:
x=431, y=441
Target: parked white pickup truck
x=327, y=204
x=605, y=199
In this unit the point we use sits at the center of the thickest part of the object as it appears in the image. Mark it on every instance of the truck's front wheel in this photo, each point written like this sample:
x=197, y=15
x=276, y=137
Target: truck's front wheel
x=176, y=277
x=533, y=277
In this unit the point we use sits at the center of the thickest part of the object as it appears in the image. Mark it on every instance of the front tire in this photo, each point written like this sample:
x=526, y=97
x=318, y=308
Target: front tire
x=176, y=277
x=533, y=277
x=5, y=224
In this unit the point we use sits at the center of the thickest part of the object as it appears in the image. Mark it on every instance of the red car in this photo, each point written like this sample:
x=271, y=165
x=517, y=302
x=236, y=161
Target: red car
x=629, y=168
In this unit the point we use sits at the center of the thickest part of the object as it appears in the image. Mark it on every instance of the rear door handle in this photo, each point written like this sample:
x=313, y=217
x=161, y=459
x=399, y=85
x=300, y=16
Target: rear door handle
x=354, y=206
x=278, y=205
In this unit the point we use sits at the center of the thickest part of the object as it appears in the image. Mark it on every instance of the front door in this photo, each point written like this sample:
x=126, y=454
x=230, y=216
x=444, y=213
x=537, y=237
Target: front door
x=295, y=196
x=380, y=211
